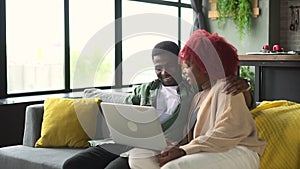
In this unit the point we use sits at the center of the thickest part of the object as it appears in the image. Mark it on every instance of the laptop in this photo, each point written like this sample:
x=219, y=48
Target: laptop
x=133, y=125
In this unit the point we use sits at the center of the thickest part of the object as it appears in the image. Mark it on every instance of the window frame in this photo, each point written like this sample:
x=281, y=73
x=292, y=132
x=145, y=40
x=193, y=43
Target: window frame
x=3, y=64
x=67, y=89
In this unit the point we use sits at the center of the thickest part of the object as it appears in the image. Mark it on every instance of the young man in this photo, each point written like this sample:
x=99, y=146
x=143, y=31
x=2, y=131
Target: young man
x=170, y=94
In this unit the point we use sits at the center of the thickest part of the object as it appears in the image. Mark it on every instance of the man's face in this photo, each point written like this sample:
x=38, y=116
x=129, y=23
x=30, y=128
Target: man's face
x=167, y=69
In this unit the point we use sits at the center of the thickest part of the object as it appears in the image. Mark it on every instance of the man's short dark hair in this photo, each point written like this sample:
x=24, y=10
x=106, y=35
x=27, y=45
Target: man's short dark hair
x=165, y=47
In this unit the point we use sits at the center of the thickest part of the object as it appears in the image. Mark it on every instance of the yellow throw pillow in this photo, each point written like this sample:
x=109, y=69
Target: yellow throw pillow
x=68, y=122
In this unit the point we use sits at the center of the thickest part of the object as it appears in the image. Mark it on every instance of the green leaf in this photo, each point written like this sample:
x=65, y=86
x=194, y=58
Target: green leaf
x=240, y=12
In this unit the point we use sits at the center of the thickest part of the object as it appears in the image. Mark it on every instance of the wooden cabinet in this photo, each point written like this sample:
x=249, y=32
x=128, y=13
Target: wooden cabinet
x=276, y=76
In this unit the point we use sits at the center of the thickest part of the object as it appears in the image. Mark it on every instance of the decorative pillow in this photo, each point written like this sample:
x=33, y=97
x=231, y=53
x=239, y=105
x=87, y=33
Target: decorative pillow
x=278, y=124
x=68, y=122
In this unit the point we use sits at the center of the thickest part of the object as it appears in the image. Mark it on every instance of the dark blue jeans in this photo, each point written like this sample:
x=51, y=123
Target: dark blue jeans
x=100, y=157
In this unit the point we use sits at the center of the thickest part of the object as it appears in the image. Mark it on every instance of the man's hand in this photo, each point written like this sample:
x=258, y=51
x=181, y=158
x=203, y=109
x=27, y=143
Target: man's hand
x=235, y=85
x=169, y=155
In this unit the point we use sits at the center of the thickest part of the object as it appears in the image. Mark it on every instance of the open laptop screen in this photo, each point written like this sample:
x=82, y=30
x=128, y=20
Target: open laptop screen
x=133, y=125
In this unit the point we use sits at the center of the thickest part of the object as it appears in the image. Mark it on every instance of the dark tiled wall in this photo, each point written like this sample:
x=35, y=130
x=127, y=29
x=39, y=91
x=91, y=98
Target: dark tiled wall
x=289, y=40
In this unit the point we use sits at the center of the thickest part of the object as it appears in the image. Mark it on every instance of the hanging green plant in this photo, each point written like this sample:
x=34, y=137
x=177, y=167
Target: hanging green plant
x=225, y=8
x=239, y=11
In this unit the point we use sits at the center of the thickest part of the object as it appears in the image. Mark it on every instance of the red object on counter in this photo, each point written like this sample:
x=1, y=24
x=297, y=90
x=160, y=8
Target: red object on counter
x=277, y=48
x=266, y=47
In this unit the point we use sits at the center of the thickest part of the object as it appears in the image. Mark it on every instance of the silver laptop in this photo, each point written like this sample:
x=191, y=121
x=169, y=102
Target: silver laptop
x=133, y=125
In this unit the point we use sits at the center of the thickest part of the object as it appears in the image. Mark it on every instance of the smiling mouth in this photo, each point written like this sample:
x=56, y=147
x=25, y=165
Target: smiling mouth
x=167, y=78
x=188, y=79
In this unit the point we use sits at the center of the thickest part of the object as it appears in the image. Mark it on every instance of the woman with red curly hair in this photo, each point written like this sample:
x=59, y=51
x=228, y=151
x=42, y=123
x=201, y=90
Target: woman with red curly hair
x=224, y=135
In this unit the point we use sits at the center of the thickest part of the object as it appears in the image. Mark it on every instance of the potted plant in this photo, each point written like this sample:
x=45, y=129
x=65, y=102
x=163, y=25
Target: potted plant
x=239, y=11
x=247, y=73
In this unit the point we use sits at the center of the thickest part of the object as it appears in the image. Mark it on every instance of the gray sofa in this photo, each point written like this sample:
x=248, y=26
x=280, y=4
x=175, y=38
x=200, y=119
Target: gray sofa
x=26, y=156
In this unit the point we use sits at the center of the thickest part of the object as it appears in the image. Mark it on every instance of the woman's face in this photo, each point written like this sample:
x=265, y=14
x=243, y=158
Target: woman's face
x=193, y=74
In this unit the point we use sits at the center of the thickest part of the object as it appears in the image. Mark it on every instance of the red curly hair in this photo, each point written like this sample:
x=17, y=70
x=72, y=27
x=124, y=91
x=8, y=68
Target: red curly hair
x=212, y=53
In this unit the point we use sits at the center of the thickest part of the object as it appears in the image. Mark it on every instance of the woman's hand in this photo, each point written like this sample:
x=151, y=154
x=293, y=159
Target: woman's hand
x=169, y=155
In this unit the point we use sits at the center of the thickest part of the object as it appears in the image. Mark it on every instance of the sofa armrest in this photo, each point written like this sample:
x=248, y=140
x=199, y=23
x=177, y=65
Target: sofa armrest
x=33, y=121
x=105, y=96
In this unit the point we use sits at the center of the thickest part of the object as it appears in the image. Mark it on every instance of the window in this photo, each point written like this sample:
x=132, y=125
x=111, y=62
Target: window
x=186, y=1
x=35, y=45
x=186, y=24
x=55, y=46
x=92, y=40
x=144, y=25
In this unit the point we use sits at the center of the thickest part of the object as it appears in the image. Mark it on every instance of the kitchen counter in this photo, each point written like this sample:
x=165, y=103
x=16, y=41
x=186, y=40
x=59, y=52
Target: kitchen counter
x=276, y=76
x=269, y=57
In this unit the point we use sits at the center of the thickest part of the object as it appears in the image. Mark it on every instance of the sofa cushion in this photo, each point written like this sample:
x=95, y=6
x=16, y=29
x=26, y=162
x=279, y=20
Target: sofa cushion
x=68, y=122
x=24, y=157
